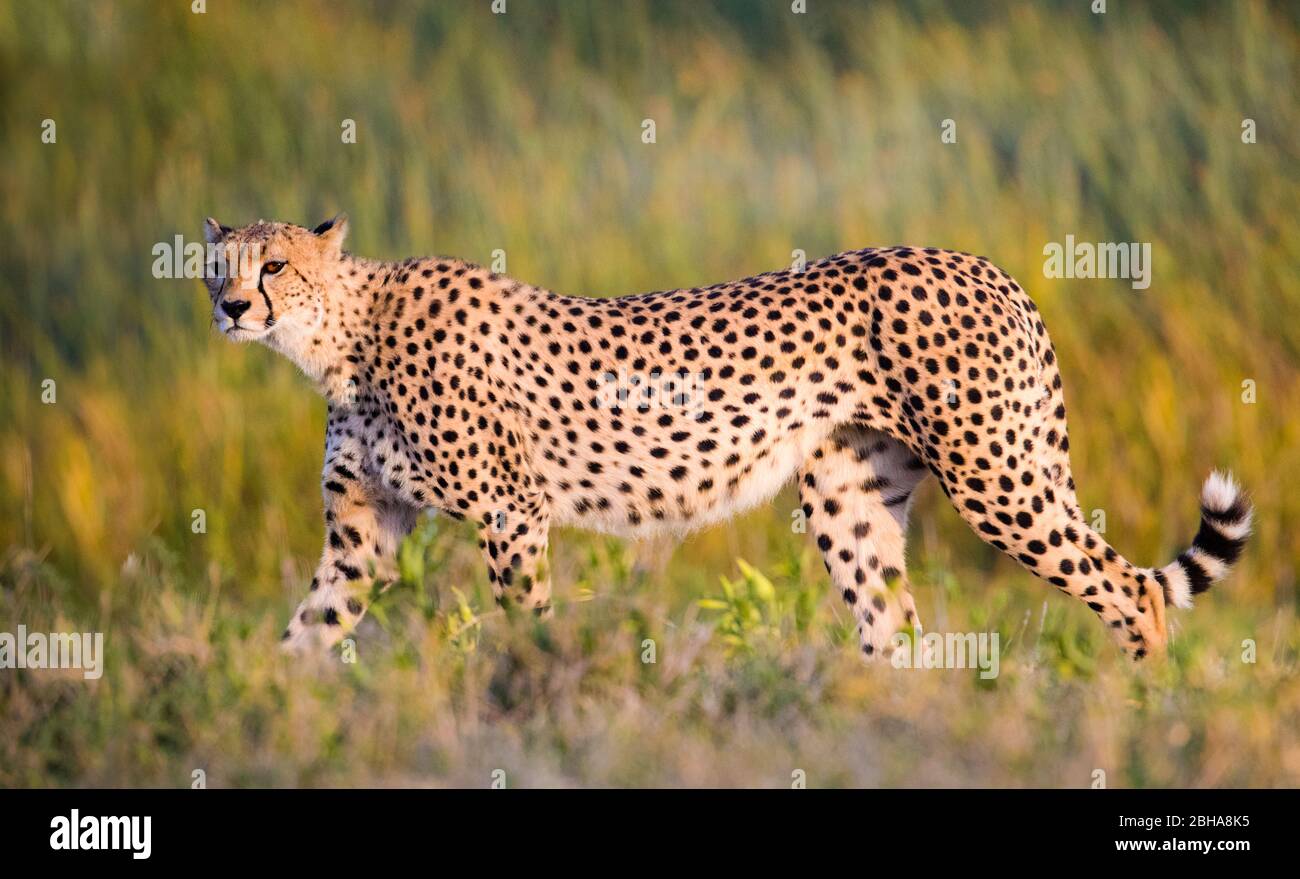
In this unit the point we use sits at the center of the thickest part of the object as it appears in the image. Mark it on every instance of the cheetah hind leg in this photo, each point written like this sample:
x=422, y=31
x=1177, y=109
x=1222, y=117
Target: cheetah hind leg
x=855, y=490
x=514, y=541
x=1053, y=542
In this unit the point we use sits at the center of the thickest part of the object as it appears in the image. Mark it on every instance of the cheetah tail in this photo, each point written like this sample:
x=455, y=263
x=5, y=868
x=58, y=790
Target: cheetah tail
x=1225, y=524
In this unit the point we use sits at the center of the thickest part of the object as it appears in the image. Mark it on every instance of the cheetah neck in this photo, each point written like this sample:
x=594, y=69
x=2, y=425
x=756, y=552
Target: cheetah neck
x=330, y=347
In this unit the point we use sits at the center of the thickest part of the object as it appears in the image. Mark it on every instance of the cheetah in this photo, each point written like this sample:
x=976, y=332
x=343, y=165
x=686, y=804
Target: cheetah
x=454, y=389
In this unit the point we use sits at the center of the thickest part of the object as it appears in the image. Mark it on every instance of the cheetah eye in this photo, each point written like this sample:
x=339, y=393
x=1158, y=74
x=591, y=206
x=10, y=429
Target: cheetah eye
x=273, y=267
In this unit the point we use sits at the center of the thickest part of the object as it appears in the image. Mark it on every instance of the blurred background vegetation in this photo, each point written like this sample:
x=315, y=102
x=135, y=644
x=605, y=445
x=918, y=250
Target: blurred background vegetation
x=775, y=132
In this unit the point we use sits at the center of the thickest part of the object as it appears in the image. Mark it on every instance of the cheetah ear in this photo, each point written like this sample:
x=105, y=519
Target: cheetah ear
x=332, y=232
x=214, y=232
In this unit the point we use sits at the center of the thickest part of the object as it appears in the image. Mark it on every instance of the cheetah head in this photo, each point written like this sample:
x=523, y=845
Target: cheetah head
x=270, y=278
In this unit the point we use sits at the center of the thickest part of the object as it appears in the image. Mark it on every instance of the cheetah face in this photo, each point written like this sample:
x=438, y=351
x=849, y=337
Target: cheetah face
x=267, y=278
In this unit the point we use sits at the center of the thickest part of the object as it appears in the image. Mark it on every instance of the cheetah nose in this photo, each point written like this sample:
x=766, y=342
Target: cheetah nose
x=234, y=308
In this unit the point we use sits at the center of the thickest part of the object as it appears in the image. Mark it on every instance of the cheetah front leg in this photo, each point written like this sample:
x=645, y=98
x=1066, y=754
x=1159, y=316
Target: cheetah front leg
x=363, y=527
x=855, y=490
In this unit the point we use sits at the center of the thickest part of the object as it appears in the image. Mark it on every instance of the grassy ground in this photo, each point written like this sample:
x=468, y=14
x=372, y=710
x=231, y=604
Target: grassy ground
x=522, y=132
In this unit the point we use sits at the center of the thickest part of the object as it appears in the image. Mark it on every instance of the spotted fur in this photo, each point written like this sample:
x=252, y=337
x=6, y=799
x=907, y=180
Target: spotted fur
x=458, y=390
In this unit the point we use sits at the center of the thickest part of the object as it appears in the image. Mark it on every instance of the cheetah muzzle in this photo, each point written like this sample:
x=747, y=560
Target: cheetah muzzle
x=455, y=389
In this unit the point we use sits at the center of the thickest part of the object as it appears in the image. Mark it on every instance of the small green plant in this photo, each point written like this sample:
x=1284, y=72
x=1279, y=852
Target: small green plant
x=418, y=561
x=463, y=626
x=752, y=611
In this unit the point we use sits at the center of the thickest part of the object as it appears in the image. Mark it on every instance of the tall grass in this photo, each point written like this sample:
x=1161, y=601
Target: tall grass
x=522, y=132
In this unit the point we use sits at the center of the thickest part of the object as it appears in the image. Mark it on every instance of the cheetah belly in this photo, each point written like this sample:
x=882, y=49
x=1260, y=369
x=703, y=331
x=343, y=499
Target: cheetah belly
x=767, y=478
x=684, y=508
